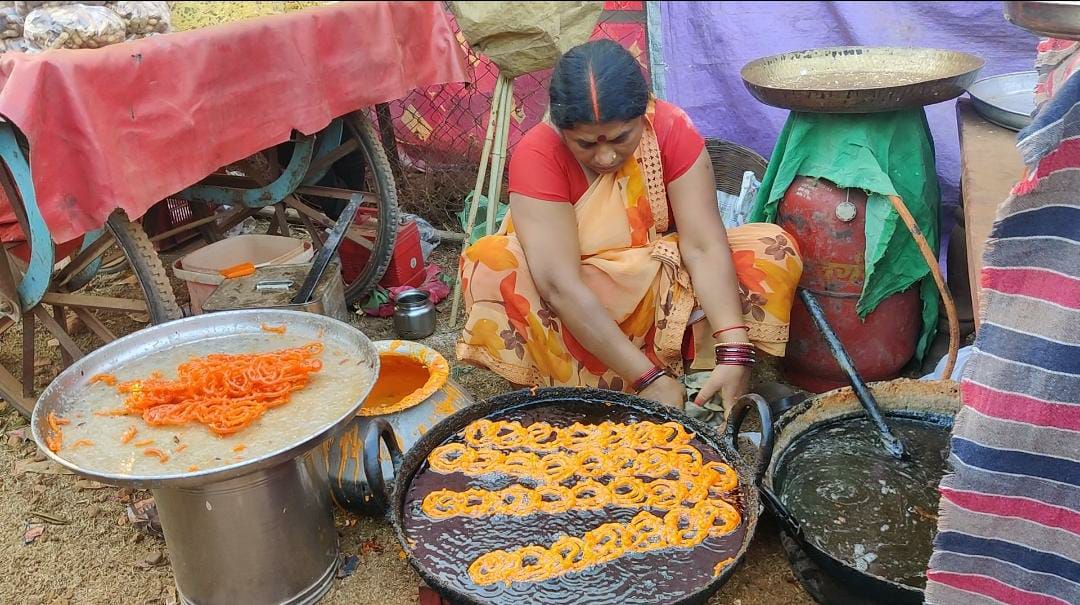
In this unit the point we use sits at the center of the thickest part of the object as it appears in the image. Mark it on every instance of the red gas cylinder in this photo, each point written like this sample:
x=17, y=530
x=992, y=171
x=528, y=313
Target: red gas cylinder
x=829, y=224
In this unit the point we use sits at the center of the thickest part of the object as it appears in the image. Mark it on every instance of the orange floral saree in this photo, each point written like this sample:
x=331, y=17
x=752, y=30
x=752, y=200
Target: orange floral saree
x=637, y=274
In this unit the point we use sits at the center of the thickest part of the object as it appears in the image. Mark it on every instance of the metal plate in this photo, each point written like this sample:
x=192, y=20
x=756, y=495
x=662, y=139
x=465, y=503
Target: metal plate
x=158, y=338
x=1007, y=100
x=860, y=79
x=1050, y=19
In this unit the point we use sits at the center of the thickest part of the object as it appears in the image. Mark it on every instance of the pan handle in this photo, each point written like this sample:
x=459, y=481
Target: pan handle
x=378, y=429
x=734, y=423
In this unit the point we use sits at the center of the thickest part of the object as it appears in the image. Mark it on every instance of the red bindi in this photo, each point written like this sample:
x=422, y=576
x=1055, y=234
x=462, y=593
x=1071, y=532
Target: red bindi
x=601, y=139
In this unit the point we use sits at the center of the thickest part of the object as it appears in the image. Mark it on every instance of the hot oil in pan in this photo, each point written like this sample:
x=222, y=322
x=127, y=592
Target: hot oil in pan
x=447, y=547
x=862, y=505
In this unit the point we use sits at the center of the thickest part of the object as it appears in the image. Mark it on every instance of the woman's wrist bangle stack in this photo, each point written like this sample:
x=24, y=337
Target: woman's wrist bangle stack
x=736, y=354
x=649, y=377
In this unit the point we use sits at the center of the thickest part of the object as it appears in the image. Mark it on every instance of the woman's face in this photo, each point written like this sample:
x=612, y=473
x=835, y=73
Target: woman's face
x=604, y=147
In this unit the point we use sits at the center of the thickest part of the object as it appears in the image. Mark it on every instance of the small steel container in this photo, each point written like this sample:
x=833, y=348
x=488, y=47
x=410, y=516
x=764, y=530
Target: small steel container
x=414, y=315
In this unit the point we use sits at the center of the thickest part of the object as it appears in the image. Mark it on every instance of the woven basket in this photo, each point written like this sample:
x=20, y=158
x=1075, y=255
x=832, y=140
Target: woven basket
x=730, y=161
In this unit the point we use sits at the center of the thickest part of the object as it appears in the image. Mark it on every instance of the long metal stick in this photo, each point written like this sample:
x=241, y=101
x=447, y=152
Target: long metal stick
x=866, y=398
x=333, y=241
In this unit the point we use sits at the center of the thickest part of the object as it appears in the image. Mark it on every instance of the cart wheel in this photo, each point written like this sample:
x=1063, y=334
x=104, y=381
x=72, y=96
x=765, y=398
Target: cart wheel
x=82, y=308
x=366, y=169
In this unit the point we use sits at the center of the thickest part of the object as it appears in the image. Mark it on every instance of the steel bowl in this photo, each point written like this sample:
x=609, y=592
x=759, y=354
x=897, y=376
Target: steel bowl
x=860, y=79
x=1007, y=100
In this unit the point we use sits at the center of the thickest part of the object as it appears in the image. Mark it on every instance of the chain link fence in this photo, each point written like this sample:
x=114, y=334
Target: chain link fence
x=439, y=131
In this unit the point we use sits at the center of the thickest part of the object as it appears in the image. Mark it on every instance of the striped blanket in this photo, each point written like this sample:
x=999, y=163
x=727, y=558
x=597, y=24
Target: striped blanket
x=1009, y=528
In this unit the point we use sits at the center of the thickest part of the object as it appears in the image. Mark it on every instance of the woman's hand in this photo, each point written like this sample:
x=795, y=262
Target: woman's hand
x=730, y=382
x=666, y=390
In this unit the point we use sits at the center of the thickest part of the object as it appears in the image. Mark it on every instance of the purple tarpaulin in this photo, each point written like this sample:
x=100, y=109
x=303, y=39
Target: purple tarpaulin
x=705, y=44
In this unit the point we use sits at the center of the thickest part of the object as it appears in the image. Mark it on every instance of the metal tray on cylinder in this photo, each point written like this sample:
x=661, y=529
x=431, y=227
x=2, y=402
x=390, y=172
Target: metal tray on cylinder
x=860, y=79
x=1050, y=19
x=256, y=531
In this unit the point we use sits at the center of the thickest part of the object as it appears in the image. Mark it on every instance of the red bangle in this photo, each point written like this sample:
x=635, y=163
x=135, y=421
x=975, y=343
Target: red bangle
x=647, y=378
x=719, y=332
x=736, y=354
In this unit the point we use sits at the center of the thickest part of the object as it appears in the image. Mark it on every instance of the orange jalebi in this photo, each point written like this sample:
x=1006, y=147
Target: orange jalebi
x=641, y=465
x=542, y=437
x=679, y=528
x=227, y=393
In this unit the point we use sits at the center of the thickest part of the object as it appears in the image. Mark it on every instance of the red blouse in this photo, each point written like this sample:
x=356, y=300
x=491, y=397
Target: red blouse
x=542, y=167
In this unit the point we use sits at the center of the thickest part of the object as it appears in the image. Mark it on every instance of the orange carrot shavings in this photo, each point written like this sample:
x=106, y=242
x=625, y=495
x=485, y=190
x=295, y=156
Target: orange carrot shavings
x=153, y=451
x=55, y=422
x=273, y=329
x=179, y=448
x=82, y=442
x=128, y=434
x=108, y=379
x=55, y=439
x=241, y=270
x=239, y=447
x=143, y=442
x=192, y=468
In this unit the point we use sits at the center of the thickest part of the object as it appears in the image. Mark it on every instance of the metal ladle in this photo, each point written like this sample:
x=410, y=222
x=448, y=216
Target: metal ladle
x=891, y=442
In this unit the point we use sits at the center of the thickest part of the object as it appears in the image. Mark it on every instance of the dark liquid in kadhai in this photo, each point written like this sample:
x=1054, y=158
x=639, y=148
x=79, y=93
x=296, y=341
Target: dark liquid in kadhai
x=860, y=504
x=447, y=547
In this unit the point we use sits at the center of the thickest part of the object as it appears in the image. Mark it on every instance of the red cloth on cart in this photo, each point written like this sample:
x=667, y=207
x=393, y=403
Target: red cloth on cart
x=127, y=125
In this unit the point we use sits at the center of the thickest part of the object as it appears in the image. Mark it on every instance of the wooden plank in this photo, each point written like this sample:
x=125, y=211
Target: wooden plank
x=196, y=224
x=82, y=259
x=336, y=193
x=96, y=326
x=86, y=301
x=11, y=391
x=58, y=331
x=989, y=167
x=355, y=234
x=60, y=316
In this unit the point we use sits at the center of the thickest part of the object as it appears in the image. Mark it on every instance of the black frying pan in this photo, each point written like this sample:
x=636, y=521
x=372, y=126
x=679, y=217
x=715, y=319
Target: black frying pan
x=748, y=470
x=934, y=402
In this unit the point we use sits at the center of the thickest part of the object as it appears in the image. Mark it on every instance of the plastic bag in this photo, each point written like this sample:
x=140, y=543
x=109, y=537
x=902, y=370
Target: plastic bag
x=76, y=26
x=143, y=18
x=11, y=23
x=735, y=208
x=523, y=37
x=479, y=227
x=27, y=7
x=19, y=45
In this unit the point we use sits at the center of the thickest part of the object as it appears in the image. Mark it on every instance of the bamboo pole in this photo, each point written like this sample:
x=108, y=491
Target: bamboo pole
x=498, y=158
x=481, y=172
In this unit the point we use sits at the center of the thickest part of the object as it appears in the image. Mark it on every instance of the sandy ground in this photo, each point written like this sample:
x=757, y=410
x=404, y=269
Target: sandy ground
x=89, y=552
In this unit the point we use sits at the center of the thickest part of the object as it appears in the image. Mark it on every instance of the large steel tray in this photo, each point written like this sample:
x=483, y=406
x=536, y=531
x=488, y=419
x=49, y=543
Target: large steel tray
x=113, y=356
